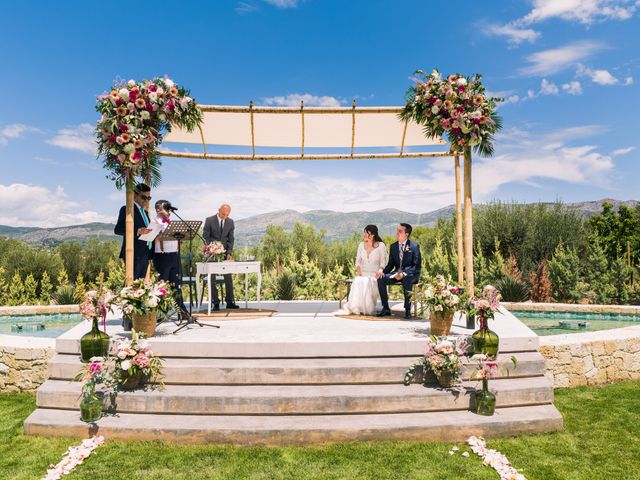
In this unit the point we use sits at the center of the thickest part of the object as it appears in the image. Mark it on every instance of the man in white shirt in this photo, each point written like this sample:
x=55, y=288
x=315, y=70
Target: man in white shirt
x=166, y=257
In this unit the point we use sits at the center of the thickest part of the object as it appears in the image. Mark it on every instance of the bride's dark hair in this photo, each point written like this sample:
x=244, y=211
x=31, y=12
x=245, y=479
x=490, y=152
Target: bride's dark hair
x=373, y=230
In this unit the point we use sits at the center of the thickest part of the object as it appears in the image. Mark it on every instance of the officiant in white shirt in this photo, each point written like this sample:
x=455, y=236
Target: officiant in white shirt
x=220, y=228
x=166, y=257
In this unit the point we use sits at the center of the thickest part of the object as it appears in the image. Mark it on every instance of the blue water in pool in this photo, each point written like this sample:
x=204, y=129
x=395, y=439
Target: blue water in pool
x=43, y=325
x=556, y=323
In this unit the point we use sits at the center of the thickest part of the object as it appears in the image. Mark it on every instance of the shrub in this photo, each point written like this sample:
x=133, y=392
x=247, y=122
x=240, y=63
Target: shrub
x=512, y=289
x=66, y=295
x=540, y=283
x=285, y=288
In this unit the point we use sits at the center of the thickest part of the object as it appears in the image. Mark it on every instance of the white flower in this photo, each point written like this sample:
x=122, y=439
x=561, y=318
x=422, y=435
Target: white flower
x=131, y=83
x=125, y=365
x=145, y=115
x=153, y=96
x=124, y=93
x=435, y=110
x=129, y=148
x=462, y=81
x=169, y=82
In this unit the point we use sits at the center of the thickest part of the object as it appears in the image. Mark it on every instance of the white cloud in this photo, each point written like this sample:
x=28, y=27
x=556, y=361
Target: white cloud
x=572, y=88
x=245, y=7
x=601, y=77
x=622, y=151
x=34, y=205
x=79, y=138
x=283, y=3
x=14, y=130
x=515, y=35
x=552, y=61
x=583, y=11
x=294, y=99
x=628, y=81
x=269, y=172
x=548, y=88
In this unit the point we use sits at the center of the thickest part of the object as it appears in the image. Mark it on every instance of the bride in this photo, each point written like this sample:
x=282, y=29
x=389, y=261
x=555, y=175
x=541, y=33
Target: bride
x=371, y=258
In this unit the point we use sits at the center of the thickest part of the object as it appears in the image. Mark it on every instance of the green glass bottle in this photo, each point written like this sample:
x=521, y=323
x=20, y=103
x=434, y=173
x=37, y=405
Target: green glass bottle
x=485, y=400
x=91, y=408
x=94, y=343
x=484, y=340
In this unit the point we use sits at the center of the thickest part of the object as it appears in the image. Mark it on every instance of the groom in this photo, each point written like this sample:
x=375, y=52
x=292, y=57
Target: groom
x=403, y=267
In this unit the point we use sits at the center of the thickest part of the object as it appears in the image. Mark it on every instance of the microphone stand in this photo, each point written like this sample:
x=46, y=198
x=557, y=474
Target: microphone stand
x=191, y=320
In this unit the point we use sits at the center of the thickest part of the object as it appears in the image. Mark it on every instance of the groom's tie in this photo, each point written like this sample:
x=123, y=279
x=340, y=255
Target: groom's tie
x=401, y=246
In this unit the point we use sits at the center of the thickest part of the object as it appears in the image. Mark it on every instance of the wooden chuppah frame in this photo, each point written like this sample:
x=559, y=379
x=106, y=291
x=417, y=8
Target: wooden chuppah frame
x=464, y=242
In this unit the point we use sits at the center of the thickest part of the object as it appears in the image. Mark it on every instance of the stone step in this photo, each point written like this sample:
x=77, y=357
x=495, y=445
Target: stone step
x=287, y=371
x=302, y=399
x=299, y=429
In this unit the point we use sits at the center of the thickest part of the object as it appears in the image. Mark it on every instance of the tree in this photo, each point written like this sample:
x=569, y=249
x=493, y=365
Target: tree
x=30, y=290
x=564, y=273
x=45, y=289
x=16, y=290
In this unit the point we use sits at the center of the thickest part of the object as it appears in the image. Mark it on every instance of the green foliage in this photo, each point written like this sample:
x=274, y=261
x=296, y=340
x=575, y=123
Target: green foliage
x=614, y=229
x=66, y=295
x=565, y=273
x=285, y=285
x=16, y=290
x=30, y=290
x=512, y=290
x=45, y=289
x=4, y=289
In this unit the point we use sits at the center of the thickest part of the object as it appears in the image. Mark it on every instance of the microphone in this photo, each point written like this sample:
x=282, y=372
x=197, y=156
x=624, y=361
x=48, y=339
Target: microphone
x=168, y=206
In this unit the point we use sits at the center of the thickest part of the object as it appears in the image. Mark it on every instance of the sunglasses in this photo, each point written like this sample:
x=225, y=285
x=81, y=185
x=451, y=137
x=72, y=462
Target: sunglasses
x=145, y=197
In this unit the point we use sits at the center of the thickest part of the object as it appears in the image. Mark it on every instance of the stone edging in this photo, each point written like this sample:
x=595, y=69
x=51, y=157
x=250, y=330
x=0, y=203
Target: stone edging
x=572, y=307
x=39, y=309
x=23, y=362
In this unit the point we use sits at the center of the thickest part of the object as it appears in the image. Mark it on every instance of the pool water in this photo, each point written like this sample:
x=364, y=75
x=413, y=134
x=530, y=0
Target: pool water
x=43, y=325
x=549, y=323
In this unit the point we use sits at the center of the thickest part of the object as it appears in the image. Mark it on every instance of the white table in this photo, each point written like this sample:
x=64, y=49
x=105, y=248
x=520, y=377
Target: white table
x=226, y=267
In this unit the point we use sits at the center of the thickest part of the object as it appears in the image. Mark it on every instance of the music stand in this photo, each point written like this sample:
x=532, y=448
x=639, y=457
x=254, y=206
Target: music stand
x=185, y=230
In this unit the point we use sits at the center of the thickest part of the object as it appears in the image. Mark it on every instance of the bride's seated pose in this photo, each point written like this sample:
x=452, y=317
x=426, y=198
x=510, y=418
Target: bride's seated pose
x=371, y=258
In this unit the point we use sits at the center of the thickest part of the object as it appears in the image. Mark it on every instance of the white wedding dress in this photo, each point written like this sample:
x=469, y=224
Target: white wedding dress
x=363, y=295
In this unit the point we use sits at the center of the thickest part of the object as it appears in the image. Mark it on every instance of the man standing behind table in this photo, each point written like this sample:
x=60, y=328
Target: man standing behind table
x=142, y=251
x=220, y=228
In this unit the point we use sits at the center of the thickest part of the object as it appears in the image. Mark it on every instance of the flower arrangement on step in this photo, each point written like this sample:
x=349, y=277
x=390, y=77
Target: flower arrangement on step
x=442, y=299
x=93, y=374
x=485, y=400
x=455, y=106
x=483, y=308
x=94, y=307
x=134, y=362
x=214, y=251
x=442, y=357
x=135, y=117
x=143, y=300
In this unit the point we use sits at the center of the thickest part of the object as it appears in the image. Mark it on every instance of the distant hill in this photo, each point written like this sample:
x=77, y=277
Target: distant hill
x=337, y=225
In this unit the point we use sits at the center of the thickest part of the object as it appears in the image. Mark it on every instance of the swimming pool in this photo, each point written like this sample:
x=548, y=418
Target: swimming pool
x=41, y=325
x=556, y=323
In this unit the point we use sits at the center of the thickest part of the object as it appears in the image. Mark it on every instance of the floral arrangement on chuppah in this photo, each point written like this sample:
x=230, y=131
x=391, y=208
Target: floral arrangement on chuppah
x=442, y=357
x=214, y=251
x=454, y=106
x=135, y=117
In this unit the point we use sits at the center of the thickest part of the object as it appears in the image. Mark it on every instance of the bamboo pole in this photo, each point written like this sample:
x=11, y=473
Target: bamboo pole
x=468, y=222
x=459, y=223
x=347, y=156
x=308, y=110
x=128, y=247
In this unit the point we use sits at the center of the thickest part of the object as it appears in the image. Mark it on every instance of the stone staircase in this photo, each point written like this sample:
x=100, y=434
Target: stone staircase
x=289, y=397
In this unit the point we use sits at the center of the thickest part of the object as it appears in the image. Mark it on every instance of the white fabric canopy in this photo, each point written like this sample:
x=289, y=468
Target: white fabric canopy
x=323, y=128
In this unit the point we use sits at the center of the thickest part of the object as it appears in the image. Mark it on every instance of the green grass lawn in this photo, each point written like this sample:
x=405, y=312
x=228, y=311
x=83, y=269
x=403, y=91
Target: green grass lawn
x=600, y=440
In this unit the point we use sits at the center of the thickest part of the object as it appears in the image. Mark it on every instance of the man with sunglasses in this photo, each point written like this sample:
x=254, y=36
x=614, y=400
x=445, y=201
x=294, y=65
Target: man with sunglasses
x=142, y=250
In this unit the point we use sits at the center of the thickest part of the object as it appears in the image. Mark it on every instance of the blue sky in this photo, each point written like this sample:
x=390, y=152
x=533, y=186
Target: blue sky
x=569, y=71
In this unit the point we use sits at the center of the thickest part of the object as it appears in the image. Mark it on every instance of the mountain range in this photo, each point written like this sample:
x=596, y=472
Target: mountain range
x=337, y=225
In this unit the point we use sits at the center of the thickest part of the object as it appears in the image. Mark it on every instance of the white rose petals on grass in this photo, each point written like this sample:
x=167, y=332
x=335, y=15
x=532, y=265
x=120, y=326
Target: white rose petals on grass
x=74, y=457
x=494, y=459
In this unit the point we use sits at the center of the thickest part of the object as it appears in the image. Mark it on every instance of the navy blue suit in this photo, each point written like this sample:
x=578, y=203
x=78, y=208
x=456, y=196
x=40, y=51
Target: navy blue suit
x=141, y=251
x=411, y=263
